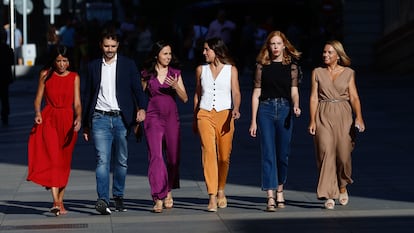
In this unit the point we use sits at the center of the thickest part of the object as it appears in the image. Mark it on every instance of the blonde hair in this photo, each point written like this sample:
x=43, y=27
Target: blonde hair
x=344, y=60
x=264, y=56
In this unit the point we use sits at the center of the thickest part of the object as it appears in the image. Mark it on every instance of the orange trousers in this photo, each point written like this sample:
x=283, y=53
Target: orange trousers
x=216, y=134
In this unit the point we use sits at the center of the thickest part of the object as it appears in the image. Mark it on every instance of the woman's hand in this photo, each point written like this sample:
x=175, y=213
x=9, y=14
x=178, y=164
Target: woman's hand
x=141, y=114
x=360, y=125
x=76, y=125
x=312, y=128
x=171, y=81
x=38, y=118
x=235, y=114
x=253, y=129
x=297, y=111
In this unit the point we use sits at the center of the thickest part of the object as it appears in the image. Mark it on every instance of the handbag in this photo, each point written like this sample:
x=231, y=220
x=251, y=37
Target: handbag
x=138, y=131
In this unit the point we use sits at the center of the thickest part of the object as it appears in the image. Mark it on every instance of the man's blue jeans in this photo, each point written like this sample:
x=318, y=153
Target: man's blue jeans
x=110, y=135
x=275, y=132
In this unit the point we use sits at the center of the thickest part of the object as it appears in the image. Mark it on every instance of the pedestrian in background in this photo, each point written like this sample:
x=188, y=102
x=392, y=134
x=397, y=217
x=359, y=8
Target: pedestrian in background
x=275, y=97
x=52, y=38
x=163, y=83
x=53, y=137
x=6, y=77
x=194, y=38
x=113, y=103
x=217, y=101
x=335, y=114
x=18, y=42
x=223, y=28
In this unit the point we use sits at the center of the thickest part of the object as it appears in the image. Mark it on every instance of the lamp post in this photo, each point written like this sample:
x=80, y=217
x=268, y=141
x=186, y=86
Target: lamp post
x=52, y=8
x=12, y=24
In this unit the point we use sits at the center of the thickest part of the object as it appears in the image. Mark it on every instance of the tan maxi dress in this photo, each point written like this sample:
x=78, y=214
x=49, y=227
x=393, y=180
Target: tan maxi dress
x=334, y=125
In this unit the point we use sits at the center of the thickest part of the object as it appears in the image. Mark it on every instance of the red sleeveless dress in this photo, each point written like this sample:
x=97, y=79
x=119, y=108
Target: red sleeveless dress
x=51, y=143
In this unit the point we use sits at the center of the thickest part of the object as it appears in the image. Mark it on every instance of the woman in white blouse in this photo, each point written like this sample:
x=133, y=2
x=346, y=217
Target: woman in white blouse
x=216, y=105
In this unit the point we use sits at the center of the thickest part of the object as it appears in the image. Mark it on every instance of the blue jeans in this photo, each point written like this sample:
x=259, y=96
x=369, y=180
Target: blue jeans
x=110, y=135
x=275, y=132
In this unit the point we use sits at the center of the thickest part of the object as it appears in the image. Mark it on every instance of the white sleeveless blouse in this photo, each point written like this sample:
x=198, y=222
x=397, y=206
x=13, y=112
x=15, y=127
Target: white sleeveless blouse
x=216, y=93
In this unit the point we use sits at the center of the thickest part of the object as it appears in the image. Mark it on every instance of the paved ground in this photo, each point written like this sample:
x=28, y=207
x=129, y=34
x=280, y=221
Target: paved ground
x=382, y=197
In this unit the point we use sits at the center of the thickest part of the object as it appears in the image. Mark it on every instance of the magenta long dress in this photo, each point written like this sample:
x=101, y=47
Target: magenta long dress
x=162, y=132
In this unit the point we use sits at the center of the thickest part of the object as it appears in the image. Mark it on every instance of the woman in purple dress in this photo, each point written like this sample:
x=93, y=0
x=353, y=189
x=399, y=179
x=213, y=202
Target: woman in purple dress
x=163, y=84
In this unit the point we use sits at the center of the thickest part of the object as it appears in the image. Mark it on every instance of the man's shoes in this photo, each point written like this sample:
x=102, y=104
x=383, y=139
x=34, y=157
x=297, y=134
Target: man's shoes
x=119, y=204
x=102, y=207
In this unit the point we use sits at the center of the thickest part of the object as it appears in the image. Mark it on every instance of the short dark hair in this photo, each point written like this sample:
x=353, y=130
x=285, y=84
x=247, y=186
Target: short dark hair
x=109, y=33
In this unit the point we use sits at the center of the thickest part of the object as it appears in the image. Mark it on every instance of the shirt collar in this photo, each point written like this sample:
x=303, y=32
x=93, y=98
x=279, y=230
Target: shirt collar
x=115, y=60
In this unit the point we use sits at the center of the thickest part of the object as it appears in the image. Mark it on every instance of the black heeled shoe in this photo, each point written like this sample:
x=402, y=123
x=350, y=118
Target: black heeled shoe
x=280, y=200
x=55, y=209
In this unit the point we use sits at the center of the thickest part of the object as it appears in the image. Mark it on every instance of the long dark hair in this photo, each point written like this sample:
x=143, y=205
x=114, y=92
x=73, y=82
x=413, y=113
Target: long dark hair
x=151, y=60
x=50, y=65
x=221, y=50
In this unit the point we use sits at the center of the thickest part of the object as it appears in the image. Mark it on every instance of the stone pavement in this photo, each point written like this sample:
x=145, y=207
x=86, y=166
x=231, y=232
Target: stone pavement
x=381, y=199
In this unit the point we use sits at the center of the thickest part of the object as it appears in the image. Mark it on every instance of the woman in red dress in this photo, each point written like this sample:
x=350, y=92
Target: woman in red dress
x=54, y=134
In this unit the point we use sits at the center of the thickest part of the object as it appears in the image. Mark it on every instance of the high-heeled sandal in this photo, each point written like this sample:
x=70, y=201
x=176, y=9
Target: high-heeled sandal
x=280, y=200
x=55, y=209
x=168, y=201
x=329, y=204
x=212, y=204
x=271, y=204
x=343, y=198
x=62, y=209
x=221, y=201
x=157, y=207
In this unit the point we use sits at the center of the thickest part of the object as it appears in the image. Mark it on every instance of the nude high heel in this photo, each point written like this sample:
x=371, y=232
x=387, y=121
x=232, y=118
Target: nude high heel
x=212, y=204
x=221, y=199
x=280, y=200
x=168, y=201
x=157, y=207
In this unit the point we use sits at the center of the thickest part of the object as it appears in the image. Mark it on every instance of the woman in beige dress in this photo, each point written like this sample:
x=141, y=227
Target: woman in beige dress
x=335, y=112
